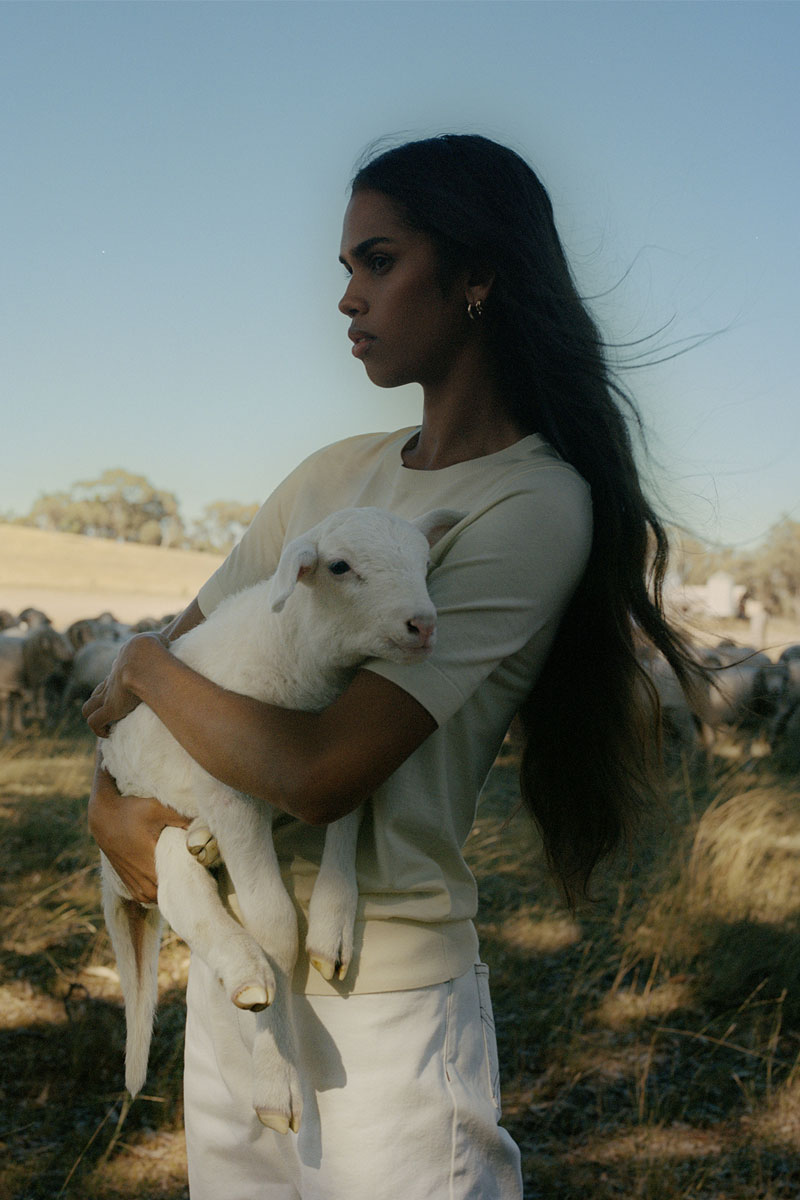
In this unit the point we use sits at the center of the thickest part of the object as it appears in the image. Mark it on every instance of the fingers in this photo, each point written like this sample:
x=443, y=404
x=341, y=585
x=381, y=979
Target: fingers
x=92, y=711
x=143, y=892
x=173, y=817
x=108, y=703
x=94, y=701
x=97, y=722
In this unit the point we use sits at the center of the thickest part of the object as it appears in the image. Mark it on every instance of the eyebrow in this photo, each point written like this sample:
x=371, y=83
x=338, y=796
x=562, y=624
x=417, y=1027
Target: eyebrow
x=363, y=248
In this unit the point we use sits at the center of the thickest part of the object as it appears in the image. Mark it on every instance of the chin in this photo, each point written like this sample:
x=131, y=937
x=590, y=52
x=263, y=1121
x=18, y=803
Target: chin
x=387, y=379
x=385, y=383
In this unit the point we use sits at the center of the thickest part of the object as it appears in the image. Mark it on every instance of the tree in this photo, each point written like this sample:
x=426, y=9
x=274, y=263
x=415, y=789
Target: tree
x=773, y=569
x=221, y=525
x=118, y=505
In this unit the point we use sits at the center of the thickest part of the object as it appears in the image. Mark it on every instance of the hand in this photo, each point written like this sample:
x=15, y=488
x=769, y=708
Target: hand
x=127, y=828
x=113, y=699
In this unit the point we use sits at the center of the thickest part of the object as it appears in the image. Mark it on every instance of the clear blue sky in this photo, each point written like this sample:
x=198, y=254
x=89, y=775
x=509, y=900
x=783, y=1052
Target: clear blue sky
x=173, y=181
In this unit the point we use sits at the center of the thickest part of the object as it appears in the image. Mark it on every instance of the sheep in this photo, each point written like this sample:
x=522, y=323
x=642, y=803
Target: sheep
x=680, y=725
x=786, y=721
x=47, y=656
x=28, y=664
x=87, y=629
x=12, y=686
x=34, y=618
x=746, y=691
x=365, y=596
x=90, y=666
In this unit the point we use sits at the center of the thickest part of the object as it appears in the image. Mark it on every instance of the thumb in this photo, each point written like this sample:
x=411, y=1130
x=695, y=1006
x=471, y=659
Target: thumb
x=171, y=816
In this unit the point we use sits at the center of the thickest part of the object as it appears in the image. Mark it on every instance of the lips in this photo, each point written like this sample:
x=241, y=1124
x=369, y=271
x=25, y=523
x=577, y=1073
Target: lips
x=361, y=341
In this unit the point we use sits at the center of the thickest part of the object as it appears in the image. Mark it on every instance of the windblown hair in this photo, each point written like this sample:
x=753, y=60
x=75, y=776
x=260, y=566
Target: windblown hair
x=586, y=772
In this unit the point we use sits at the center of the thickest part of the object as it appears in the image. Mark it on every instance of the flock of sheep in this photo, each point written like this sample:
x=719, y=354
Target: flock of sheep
x=746, y=699
x=44, y=672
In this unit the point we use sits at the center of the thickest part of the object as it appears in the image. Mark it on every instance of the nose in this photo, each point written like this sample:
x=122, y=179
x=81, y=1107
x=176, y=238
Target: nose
x=423, y=628
x=351, y=304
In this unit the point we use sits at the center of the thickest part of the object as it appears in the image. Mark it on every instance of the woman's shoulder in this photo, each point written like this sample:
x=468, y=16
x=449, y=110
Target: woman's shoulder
x=532, y=467
x=361, y=446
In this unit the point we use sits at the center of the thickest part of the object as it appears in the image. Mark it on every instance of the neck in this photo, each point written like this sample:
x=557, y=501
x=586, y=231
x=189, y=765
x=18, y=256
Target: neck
x=460, y=423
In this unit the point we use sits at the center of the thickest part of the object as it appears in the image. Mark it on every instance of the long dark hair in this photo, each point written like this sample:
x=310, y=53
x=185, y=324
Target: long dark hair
x=589, y=721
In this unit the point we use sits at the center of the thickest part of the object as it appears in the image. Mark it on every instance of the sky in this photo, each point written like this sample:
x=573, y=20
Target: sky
x=173, y=183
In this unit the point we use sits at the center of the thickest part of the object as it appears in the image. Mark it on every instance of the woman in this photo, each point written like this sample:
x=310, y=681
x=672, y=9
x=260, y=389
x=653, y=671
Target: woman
x=457, y=281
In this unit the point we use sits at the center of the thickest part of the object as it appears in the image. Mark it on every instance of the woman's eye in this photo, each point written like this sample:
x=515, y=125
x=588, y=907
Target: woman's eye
x=340, y=567
x=379, y=263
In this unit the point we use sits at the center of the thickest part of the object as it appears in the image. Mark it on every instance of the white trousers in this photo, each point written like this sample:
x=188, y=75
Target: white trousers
x=400, y=1094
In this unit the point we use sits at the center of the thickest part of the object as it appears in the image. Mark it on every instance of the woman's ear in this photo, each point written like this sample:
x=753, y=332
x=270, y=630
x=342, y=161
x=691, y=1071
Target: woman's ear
x=479, y=283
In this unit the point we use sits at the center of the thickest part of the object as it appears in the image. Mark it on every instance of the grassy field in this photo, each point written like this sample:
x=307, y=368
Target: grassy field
x=70, y=577
x=649, y=1045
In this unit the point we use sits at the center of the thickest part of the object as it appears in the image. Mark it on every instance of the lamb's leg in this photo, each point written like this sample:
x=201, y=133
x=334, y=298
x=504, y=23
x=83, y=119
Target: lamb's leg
x=189, y=899
x=244, y=834
x=332, y=912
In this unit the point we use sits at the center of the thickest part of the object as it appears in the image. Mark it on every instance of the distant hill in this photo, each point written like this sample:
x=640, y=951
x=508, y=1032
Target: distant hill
x=69, y=576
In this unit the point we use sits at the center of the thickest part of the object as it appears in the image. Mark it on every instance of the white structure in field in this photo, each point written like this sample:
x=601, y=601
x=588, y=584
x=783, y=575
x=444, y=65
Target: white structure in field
x=720, y=596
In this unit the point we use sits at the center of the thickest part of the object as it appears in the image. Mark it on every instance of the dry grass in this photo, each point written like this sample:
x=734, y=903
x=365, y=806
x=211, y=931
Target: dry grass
x=649, y=1044
x=69, y=576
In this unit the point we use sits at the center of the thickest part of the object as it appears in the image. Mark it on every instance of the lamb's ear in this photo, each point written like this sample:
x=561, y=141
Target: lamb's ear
x=298, y=558
x=436, y=523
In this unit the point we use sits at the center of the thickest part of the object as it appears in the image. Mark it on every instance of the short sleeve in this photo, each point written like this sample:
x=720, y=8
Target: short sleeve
x=255, y=556
x=500, y=589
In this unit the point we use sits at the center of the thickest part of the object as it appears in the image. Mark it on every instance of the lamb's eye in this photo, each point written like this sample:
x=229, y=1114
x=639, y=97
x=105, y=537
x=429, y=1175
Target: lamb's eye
x=340, y=567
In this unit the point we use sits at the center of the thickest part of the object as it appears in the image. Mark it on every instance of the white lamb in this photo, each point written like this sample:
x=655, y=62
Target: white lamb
x=365, y=595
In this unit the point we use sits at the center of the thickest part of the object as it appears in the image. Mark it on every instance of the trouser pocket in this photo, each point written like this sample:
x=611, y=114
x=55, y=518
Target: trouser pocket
x=489, y=1035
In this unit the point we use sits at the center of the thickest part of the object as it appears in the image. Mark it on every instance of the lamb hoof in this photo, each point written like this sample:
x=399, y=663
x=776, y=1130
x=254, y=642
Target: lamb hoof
x=324, y=965
x=327, y=968
x=200, y=842
x=329, y=963
x=277, y=1121
x=251, y=996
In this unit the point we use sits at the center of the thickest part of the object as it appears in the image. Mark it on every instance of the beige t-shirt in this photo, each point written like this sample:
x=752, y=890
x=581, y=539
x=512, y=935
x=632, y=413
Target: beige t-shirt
x=500, y=581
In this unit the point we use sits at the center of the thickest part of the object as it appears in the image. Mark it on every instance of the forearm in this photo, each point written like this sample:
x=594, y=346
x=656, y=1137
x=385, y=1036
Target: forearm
x=191, y=616
x=315, y=766
x=232, y=736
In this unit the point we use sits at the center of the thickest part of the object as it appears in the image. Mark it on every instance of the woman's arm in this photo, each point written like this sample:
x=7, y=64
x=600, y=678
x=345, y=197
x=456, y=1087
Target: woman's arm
x=192, y=615
x=315, y=766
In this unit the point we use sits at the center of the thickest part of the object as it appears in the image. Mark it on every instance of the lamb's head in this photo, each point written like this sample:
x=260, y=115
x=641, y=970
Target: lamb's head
x=365, y=575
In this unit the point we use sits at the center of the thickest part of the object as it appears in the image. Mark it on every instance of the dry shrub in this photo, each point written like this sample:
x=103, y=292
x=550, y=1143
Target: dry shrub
x=745, y=863
x=729, y=914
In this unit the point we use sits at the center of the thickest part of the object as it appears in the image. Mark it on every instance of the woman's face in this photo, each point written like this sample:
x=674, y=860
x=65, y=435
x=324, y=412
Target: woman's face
x=406, y=327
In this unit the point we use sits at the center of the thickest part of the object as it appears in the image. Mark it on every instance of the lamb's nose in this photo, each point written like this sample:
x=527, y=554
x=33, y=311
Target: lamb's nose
x=423, y=628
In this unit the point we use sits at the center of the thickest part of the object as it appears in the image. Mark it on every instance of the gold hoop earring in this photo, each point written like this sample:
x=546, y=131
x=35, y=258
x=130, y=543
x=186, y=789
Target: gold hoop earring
x=475, y=310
